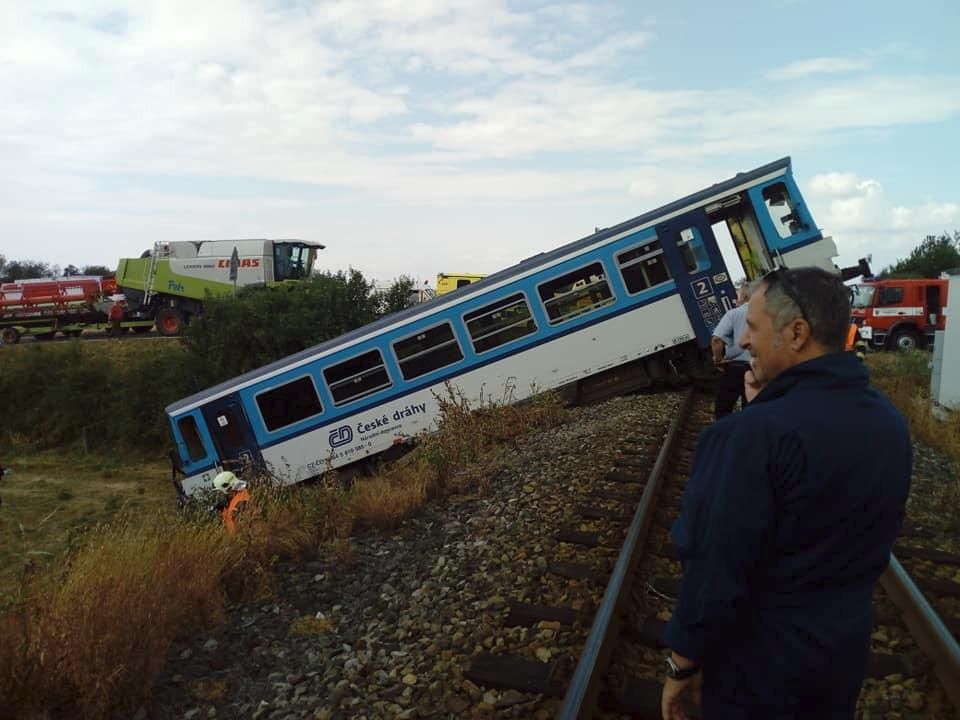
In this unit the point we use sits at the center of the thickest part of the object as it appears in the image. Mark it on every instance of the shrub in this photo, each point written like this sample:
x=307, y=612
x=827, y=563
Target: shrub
x=70, y=395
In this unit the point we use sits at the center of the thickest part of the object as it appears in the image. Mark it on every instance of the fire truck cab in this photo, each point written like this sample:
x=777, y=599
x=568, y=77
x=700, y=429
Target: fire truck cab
x=900, y=314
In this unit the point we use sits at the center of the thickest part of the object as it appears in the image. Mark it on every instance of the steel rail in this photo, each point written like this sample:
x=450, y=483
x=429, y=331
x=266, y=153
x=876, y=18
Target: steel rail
x=933, y=637
x=580, y=700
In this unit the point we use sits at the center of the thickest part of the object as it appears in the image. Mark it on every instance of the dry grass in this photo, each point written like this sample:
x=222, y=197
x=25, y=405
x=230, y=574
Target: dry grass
x=78, y=639
x=905, y=379
x=85, y=635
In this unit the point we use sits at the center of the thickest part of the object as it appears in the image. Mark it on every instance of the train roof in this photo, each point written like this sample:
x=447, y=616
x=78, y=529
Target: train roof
x=455, y=297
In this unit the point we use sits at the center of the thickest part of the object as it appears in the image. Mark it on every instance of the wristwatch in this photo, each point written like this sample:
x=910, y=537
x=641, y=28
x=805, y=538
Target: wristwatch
x=675, y=672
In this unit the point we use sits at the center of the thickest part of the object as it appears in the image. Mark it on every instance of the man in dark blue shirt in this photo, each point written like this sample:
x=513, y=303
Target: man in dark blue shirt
x=788, y=520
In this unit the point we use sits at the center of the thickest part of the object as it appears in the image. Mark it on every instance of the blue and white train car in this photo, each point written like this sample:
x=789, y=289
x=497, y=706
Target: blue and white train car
x=651, y=287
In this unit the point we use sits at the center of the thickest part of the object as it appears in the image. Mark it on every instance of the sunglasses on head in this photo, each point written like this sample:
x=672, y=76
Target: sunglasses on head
x=781, y=276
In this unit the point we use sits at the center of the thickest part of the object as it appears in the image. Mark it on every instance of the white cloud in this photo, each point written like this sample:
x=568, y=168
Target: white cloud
x=863, y=220
x=439, y=105
x=839, y=64
x=820, y=66
x=253, y=90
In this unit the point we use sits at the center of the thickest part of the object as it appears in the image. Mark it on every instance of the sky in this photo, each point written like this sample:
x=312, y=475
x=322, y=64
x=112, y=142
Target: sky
x=414, y=137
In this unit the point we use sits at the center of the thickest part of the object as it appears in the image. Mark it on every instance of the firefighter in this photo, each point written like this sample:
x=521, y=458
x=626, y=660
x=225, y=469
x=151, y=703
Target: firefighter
x=235, y=501
x=855, y=343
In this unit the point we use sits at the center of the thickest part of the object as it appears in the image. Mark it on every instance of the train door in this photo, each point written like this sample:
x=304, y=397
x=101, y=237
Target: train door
x=231, y=432
x=704, y=285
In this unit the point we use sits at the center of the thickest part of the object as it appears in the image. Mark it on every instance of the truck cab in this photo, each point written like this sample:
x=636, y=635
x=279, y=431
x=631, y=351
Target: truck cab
x=899, y=314
x=448, y=282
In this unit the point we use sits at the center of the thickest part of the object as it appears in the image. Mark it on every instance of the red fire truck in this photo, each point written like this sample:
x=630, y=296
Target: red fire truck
x=899, y=314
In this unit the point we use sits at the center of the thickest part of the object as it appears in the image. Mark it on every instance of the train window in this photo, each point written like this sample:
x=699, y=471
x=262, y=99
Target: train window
x=782, y=210
x=290, y=403
x=643, y=266
x=191, y=438
x=499, y=323
x=428, y=350
x=576, y=293
x=357, y=377
x=692, y=251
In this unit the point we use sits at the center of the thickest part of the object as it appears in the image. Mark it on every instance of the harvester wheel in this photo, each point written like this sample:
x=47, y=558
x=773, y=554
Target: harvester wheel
x=169, y=322
x=10, y=336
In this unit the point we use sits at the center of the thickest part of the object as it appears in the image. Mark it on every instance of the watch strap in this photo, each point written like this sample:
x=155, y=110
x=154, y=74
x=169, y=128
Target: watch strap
x=675, y=672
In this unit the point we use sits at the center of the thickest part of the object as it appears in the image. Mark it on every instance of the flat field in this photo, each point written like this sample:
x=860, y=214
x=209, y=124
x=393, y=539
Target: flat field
x=50, y=499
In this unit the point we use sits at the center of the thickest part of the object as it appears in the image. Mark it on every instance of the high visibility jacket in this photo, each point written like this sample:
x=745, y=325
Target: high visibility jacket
x=853, y=333
x=231, y=512
x=855, y=343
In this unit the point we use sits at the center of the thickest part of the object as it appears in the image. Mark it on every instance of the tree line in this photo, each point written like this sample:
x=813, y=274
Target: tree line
x=934, y=255
x=29, y=269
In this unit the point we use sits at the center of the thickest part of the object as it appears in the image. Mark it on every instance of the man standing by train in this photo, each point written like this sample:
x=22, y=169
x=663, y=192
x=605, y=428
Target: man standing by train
x=732, y=359
x=784, y=532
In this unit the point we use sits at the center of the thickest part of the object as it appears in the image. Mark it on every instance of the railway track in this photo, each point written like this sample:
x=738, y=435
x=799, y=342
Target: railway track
x=598, y=547
x=621, y=577
x=915, y=640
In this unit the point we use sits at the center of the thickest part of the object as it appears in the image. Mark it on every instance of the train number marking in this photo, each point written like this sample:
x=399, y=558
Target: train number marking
x=701, y=287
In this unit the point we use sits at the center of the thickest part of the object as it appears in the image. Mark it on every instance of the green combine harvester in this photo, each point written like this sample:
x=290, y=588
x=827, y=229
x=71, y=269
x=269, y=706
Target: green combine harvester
x=167, y=285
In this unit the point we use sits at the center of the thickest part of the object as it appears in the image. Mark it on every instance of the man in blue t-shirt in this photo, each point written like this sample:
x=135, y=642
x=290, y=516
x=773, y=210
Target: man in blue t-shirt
x=732, y=359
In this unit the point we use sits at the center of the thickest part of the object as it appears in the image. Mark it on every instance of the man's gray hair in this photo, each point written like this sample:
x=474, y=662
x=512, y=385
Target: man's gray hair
x=811, y=293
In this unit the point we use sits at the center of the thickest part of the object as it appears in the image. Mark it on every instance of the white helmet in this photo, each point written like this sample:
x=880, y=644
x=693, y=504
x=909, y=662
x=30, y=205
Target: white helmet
x=225, y=481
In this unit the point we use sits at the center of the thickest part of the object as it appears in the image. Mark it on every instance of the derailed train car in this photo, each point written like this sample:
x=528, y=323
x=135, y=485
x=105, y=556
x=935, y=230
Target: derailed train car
x=627, y=304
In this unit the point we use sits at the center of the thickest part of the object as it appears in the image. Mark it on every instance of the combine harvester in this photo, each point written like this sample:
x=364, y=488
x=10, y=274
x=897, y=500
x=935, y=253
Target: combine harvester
x=164, y=288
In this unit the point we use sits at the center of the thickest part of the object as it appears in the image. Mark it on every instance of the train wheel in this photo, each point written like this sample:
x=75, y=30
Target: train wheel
x=73, y=333
x=169, y=322
x=10, y=336
x=44, y=336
